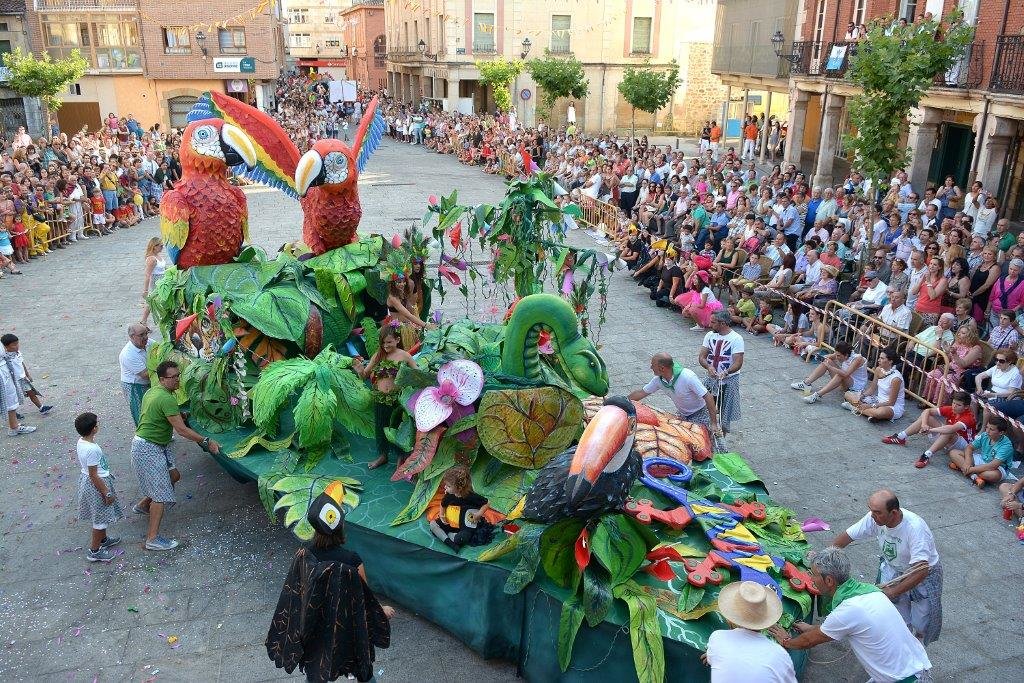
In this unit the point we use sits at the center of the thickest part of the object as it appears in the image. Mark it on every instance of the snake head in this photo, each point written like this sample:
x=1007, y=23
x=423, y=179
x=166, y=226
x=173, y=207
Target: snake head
x=586, y=367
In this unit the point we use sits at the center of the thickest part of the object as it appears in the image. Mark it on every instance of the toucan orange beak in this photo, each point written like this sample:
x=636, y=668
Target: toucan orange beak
x=605, y=443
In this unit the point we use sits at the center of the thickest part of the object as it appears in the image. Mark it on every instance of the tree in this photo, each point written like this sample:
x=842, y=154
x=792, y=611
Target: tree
x=499, y=74
x=893, y=68
x=557, y=78
x=648, y=89
x=42, y=77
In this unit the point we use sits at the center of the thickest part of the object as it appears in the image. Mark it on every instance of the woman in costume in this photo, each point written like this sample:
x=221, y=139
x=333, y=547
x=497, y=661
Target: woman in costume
x=328, y=621
x=381, y=371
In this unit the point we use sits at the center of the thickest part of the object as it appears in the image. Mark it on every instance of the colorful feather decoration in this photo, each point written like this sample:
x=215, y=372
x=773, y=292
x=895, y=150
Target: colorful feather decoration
x=370, y=133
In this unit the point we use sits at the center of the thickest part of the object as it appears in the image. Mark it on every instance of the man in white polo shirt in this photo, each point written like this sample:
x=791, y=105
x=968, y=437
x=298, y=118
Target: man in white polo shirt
x=861, y=614
x=904, y=541
x=693, y=401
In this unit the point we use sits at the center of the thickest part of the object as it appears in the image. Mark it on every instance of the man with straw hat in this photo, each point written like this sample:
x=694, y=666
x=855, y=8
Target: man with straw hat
x=861, y=614
x=742, y=653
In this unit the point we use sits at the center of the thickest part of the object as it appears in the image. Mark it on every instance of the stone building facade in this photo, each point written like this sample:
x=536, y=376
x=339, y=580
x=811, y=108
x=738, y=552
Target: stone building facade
x=433, y=46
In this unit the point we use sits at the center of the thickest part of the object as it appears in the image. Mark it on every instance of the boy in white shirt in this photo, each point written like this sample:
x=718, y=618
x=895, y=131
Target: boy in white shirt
x=97, y=501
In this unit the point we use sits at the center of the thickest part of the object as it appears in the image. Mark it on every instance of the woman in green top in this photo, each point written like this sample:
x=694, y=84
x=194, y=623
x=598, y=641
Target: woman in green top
x=381, y=371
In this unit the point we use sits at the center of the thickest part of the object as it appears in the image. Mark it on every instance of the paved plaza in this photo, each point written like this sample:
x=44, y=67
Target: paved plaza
x=62, y=619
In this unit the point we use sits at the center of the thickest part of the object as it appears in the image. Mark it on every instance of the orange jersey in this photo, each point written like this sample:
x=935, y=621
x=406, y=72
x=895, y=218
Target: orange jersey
x=750, y=132
x=97, y=205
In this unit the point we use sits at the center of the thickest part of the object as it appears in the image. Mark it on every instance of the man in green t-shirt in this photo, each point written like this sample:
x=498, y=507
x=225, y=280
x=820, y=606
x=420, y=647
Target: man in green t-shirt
x=159, y=418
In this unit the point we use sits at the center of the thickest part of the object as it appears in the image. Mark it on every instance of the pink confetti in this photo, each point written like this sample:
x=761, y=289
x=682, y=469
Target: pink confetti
x=77, y=632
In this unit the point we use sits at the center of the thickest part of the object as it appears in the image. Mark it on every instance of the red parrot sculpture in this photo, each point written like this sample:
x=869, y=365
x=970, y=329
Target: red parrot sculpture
x=204, y=220
x=324, y=178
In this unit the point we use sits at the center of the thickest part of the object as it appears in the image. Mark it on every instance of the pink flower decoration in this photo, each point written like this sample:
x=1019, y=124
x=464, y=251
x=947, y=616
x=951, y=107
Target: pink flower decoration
x=396, y=241
x=458, y=381
x=450, y=275
x=432, y=200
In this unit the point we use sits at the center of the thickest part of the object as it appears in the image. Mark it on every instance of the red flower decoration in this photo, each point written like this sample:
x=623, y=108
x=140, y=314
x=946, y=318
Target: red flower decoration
x=456, y=235
x=666, y=553
x=661, y=570
x=583, y=550
x=450, y=275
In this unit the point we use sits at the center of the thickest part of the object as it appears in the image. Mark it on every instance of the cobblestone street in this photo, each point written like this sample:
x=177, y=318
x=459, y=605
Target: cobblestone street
x=64, y=619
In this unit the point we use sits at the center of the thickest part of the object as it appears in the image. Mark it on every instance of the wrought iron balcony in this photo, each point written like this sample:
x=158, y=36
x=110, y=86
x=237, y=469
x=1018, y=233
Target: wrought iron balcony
x=805, y=60
x=1008, y=72
x=968, y=72
x=485, y=48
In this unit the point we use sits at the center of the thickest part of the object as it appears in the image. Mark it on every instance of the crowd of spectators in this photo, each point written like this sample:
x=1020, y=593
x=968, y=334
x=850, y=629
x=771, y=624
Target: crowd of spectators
x=56, y=191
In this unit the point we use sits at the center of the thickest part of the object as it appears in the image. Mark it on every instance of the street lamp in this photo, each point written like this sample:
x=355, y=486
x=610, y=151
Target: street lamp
x=201, y=39
x=422, y=48
x=777, y=40
x=527, y=44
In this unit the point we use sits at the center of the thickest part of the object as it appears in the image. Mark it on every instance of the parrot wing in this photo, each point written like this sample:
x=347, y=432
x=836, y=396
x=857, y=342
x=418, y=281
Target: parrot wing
x=276, y=154
x=174, y=214
x=368, y=137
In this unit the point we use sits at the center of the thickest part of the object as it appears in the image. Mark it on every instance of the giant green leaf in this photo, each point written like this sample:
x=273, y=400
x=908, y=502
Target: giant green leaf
x=689, y=597
x=618, y=546
x=314, y=411
x=597, y=593
x=529, y=558
x=528, y=427
x=422, y=493
x=644, y=632
x=735, y=467
x=356, y=256
x=557, y=552
x=232, y=280
x=568, y=626
x=502, y=485
x=258, y=438
x=801, y=598
x=280, y=311
x=346, y=297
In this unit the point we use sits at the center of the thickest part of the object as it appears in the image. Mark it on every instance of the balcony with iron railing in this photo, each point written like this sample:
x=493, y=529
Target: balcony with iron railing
x=484, y=47
x=1008, y=70
x=85, y=5
x=968, y=72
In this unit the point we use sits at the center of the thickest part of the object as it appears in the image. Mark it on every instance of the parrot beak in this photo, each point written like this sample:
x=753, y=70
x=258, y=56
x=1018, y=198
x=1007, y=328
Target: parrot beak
x=237, y=147
x=604, y=446
x=308, y=171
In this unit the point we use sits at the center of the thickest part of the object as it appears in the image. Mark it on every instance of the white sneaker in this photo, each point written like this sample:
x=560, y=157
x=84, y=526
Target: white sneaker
x=800, y=386
x=813, y=398
x=22, y=429
x=848, y=406
x=696, y=327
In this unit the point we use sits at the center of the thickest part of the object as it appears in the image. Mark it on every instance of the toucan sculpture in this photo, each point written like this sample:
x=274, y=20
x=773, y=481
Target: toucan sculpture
x=592, y=477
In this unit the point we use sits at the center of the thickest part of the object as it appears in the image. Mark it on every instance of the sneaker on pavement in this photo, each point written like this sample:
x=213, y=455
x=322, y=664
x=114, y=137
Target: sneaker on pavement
x=895, y=440
x=849, y=406
x=922, y=462
x=101, y=555
x=161, y=543
x=800, y=386
x=813, y=398
x=110, y=541
x=22, y=429
x=45, y=410
x=139, y=510
x=696, y=327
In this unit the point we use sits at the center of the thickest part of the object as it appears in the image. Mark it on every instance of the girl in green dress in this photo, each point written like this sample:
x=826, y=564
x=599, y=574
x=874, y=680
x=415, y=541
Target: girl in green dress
x=381, y=370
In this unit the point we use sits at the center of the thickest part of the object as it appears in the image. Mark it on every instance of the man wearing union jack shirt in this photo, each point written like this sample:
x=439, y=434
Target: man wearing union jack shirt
x=721, y=356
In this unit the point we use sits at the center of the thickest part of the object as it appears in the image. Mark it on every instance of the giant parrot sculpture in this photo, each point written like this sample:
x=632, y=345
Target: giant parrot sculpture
x=204, y=220
x=324, y=178
x=592, y=477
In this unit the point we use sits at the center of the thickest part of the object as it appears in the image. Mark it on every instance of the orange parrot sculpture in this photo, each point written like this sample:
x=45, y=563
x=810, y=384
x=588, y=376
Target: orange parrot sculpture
x=325, y=179
x=205, y=219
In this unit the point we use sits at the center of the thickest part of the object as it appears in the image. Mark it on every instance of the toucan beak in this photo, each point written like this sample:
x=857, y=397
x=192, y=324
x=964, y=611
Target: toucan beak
x=311, y=165
x=605, y=443
x=235, y=143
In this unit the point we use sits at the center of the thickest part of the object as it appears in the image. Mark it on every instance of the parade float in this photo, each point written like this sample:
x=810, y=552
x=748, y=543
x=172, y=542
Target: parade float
x=604, y=511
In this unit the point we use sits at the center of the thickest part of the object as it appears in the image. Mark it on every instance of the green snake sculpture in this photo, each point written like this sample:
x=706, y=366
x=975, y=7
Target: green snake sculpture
x=519, y=354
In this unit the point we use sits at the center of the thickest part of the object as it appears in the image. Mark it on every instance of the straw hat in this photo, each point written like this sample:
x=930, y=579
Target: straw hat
x=750, y=605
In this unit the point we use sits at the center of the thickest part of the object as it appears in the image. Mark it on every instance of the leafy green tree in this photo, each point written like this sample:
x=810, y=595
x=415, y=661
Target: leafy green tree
x=893, y=68
x=557, y=78
x=648, y=89
x=43, y=77
x=499, y=74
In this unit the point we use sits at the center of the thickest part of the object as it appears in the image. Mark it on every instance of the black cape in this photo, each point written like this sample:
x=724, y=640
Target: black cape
x=327, y=621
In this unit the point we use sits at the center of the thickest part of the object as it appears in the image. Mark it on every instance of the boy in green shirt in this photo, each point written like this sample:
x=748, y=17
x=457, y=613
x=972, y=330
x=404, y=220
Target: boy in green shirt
x=988, y=457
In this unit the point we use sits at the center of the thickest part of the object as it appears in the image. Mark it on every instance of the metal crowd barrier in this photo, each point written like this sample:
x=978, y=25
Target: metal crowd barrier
x=597, y=213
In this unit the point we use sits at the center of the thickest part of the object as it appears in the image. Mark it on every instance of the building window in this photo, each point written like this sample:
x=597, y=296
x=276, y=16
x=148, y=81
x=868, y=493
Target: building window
x=176, y=41
x=332, y=43
x=860, y=8
x=560, y=25
x=380, y=50
x=107, y=41
x=75, y=89
x=299, y=40
x=908, y=10
x=642, y=35
x=4, y=26
x=483, y=32
x=117, y=44
x=231, y=40
x=298, y=16
x=178, y=109
x=329, y=19
x=819, y=31
x=5, y=47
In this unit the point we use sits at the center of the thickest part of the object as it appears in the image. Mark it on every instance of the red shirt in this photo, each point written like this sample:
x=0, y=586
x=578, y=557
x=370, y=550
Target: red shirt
x=966, y=417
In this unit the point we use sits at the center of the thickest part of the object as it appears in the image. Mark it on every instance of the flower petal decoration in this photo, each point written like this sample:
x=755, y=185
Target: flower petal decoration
x=456, y=235
x=396, y=241
x=459, y=381
x=582, y=549
x=466, y=377
x=450, y=275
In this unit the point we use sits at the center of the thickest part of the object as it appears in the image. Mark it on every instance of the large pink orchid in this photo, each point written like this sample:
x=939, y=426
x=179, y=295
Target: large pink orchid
x=458, y=381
